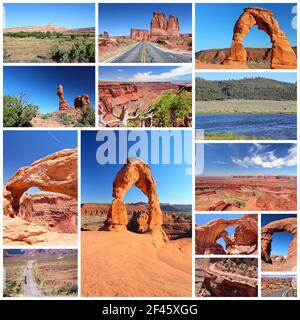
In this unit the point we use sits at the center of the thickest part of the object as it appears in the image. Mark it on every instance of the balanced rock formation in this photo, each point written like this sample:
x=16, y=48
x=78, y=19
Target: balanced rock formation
x=63, y=104
x=287, y=224
x=134, y=172
x=56, y=172
x=139, y=34
x=162, y=27
x=82, y=103
x=243, y=241
x=282, y=56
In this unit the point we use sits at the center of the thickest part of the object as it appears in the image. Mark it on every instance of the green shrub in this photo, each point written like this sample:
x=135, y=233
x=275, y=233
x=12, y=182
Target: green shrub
x=18, y=112
x=88, y=117
x=65, y=119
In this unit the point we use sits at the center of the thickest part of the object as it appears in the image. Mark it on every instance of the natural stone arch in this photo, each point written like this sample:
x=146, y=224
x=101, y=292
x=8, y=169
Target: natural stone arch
x=282, y=56
x=244, y=238
x=287, y=224
x=56, y=172
x=134, y=172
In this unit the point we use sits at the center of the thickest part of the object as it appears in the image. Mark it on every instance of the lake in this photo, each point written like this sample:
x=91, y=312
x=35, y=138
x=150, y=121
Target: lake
x=269, y=126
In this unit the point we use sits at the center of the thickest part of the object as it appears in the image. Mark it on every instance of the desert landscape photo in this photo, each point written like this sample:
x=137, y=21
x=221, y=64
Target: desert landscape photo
x=246, y=106
x=279, y=286
x=145, y=96
x=279, y=242
x=49, y=96
x=246, y=177
x=149, y=33
x=226, y=277
x=40, y=273
x=40, y=188
x=221, y=234
x=246, y=36
x=49, y=33
x=136, y=232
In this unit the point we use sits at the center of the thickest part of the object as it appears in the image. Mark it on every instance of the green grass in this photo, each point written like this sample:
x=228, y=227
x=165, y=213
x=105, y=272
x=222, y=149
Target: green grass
x=237, y=106
x=228, y=136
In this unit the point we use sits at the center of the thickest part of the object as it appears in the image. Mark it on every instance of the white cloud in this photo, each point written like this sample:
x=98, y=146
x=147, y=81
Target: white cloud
x=173, y=73
x=267, y=159
x=120, y=70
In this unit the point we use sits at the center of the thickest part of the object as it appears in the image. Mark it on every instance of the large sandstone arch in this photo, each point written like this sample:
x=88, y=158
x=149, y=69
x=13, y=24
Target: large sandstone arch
x=134, y=172
x=287, y=224
x=282, y=56
x=244, y=239
x=56, y=172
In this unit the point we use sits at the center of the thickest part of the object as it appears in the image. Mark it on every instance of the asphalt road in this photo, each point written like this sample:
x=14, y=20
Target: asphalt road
x=284, y=292
x=30, y=286
x=145, y=52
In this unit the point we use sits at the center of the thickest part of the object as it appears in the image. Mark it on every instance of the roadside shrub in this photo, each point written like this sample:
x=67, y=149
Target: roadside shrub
x=18, y=112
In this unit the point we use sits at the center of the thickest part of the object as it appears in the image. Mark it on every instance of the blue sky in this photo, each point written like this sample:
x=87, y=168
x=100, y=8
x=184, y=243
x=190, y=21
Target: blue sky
x=173, y=184
x=119, y=18
x=215, y=22
x=280, y=240
x=221, y=159
x=71, y=15
x=282, y=76
x=147, y=74
x=21, y=148
x=40, y=84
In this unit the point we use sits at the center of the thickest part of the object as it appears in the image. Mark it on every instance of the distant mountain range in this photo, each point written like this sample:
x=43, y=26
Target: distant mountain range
x=50, y=28
x=34, y=252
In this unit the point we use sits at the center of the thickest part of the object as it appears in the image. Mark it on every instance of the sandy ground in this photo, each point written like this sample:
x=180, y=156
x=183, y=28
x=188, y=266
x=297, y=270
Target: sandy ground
x=125, y=264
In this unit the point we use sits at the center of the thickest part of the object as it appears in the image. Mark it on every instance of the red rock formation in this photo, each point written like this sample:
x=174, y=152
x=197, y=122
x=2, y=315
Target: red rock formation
x=134, y=172
x=82, y=103
x=282, y=57
x=243, y=241
x=289, y=225
x=161, y=27
x=173, y=27
x=63, y=104
x=52, y=211
x=56, y=172
x=139, y=34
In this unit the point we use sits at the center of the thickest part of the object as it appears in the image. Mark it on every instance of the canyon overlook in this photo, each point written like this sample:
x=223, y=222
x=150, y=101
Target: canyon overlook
x=40, y=218
x=120, y=102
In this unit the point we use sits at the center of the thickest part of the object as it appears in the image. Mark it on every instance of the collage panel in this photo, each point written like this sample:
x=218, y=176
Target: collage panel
x=279, y=285
x=136, y=219
x=49, y=33
x=252, y=36
x=226, y=277
x=36, y=273
x=246, y=177
x=48, y=96
x=40, y=189
x=149, y=33
x=138, y=96
x=246, y=106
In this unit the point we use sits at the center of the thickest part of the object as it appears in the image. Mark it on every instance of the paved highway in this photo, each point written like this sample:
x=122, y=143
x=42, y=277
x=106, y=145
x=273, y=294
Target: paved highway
x=284, y=292
x=146, y=52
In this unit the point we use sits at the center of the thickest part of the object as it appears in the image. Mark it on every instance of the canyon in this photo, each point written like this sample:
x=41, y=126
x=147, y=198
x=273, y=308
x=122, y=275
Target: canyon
x=243, y=241
x=233, y=277
x=281, y=56
x=42, y=218
x=120, y=102
x=248, y=193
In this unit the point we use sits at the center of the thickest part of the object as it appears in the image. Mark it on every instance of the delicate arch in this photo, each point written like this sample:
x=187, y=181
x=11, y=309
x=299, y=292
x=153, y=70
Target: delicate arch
x=282, y=56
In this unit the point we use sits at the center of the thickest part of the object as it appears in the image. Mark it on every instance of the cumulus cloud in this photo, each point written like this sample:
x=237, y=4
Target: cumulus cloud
x=260, y=157
x=165, y=76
